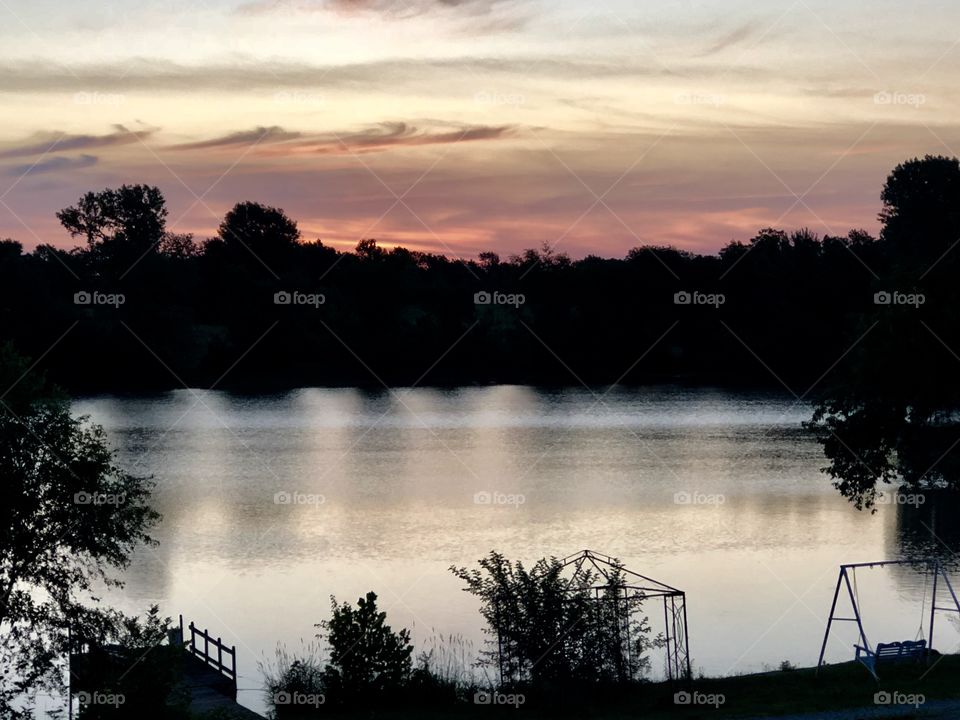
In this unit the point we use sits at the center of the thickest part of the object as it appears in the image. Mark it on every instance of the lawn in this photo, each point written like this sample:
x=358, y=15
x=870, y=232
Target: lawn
x=836, y=687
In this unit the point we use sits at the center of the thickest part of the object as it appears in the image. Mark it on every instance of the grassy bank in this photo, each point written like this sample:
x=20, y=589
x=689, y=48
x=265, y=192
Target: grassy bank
x=838, y=687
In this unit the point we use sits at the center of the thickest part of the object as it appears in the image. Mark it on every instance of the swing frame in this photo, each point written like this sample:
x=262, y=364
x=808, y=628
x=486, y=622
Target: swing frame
x=938, y=573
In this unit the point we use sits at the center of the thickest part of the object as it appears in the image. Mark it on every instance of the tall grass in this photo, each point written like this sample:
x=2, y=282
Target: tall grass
x=299, y=671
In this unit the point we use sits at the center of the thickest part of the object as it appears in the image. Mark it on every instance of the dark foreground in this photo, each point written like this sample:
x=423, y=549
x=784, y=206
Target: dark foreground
x=841, y=692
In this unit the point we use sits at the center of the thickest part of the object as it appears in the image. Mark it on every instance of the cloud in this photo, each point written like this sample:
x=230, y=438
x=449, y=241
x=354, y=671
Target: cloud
x=257, y=136
x=47, y=142
x=392, y=134
x=382, y=136
x=387, y=8
x=473, y=16
x=141, y=75
x=735, y=37
x=57, y=163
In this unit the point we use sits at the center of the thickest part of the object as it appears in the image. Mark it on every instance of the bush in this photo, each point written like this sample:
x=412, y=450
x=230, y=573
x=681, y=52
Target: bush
x=369, y=662
x=551, y=630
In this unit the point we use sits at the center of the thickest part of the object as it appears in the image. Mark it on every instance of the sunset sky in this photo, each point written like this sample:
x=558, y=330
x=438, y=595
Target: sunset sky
x=458, y=126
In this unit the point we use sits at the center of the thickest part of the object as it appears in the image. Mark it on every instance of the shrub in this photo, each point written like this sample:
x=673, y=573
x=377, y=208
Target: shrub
x=368, y=660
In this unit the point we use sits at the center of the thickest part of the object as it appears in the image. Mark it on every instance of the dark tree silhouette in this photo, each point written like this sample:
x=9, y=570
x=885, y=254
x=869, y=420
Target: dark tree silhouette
x=250, y=227
x=124, y=223
x=69, y=516
x=889, y=415
x=368, y=660
x=367, y=249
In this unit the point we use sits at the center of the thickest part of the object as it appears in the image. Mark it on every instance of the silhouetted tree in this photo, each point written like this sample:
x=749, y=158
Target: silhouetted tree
x=367, y=249
x=180, y=246
x=889, y=414
x=69, y=516
x=368, y=660
x=263, y=231
x=122, y=224
x=921, y=210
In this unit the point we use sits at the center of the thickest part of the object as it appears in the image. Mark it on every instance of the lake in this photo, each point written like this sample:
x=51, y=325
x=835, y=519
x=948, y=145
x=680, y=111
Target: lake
x=274, y=503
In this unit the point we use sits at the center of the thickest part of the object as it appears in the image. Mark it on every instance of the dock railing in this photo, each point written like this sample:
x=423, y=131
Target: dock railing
x=212, y=651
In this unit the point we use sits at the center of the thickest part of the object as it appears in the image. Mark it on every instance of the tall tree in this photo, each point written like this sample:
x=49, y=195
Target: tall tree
x=260, y=230
x=121, y=224
x=889, y=416
x=69, y=518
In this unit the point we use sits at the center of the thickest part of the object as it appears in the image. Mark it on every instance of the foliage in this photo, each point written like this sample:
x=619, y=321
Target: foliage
x=548, y=628
x=250, y=228
x=193, y=308
x=69, y=517
x=888, y=414
x=368, y=660
x=129, y=660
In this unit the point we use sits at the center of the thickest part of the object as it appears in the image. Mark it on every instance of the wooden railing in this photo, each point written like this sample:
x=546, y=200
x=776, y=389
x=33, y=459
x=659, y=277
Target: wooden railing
x=212, y=651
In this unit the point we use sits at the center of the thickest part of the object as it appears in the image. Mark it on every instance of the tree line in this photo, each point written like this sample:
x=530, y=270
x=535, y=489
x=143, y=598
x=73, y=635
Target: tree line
x=138, y=307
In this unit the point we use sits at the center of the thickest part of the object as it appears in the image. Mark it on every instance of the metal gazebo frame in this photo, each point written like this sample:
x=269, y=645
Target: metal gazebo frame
x=844, y=579
x=640, y=587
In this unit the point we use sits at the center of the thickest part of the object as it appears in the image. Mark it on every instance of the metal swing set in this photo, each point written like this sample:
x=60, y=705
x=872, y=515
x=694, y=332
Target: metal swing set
x=916, y=649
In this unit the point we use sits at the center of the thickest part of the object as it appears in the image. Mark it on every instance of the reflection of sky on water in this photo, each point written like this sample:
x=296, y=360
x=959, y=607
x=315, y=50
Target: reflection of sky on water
x=397, y=475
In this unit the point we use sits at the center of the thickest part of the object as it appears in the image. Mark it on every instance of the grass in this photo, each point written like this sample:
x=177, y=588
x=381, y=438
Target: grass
x=837, y=687
x=791, y=691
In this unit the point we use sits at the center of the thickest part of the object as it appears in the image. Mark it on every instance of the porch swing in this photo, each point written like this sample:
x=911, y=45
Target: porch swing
x=890, y=652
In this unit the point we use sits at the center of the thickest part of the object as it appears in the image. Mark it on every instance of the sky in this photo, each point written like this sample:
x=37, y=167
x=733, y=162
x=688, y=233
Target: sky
x=459, y=126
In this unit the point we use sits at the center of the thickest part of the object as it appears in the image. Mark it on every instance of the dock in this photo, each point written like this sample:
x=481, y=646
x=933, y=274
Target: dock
x=208, y=672
x=209, y=693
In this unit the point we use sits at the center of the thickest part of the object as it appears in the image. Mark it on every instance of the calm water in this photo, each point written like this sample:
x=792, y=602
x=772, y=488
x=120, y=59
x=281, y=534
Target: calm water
x=399, y=477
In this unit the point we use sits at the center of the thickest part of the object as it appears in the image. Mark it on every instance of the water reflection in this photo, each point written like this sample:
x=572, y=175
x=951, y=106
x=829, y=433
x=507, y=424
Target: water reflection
x=394, y=477
x=924, y=531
